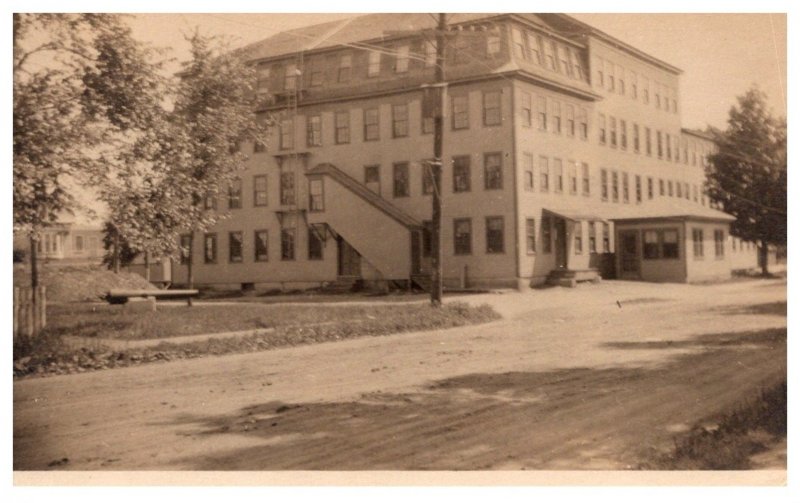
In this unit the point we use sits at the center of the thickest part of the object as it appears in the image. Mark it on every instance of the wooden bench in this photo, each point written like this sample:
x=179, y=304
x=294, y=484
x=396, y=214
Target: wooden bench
x=123, y=296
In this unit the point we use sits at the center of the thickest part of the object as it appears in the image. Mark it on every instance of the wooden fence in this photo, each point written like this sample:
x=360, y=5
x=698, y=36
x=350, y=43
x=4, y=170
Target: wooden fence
x=29, y=316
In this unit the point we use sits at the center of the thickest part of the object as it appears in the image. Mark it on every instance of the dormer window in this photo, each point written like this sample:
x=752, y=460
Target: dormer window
x=345, y=68
x=402, y=59
x=374, y=64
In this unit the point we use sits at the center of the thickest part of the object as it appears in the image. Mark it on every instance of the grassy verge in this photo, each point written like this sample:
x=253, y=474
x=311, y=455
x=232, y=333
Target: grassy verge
x=738, y=435
x=49, y=353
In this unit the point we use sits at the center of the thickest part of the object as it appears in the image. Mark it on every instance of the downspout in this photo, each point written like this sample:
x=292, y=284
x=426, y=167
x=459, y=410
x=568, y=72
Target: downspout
x=517, y=264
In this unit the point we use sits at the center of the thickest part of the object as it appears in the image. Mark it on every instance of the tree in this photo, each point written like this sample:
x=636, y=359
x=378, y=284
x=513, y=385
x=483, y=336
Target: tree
x=118, y=252
x=214, y=113
x=747, y=174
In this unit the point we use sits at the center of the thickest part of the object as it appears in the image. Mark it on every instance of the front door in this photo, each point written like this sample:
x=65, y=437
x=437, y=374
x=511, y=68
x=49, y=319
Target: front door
x=561, y=243
x=349, y=259
x=629, y=254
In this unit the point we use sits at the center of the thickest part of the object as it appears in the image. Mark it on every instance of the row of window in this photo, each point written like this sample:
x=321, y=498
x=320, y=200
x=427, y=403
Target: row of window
x=557, y=57
x=667, y=146
x=568, y=119
x=613, y=78
x=260, y=246
x=547, y=237
x=665, y=188
x=577, y=179
x=719, y=243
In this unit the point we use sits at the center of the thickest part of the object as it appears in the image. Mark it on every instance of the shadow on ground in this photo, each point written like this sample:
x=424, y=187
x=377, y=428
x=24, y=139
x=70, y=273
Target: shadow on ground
x=770, y=308
x=573, y=418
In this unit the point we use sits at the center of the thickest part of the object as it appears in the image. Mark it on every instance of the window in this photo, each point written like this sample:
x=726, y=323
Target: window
x=625, y=193
x=261, y=246
x=563, y=59
x=535, y=47
x=461, y=173
x=528, y=171
x=685, y=145
x=286, y=129
x=462, y=236
x=661, y=191
x=290, y=78
x=314, y=245
x=260, y=190
x=658, y=95
x=586, y=180
x=372, y=175
x=371, y=124
x=602, y=128
x=660, y=244
x=262, y=79
x=649, y=187
x=427, y=125
x=235, y=246
x=400, y=178
x=558, y=176
x=606, y=238
x=592, y=237
x=636, y=138
x=648, y=141
x=518, y=44
x=583, y=121
x=491, y=108
x=615, y=186
x=612, y=121
x=697, y=243
x=556, y=106
x=549, y=54
x=259, y=147
x=287, y=244
x=399, y=121
x=374, y=64
x=235, y=194
x=402, y=59
x=577, y=229
x=612, y=81
x=600, y=73
x=541, y=110
x=526, y=109
x=676, y=149
x=638, y=189
x=570, y=120
x=492, y=43
x=314, y=131
x=544, y=174
x=719, y=243
x=186, y=248
x=427, y=180
x=494, y=235
x=530, y=236
x=669, y=188
x=317, y=75
x=287, y=187
x=316, y=195
x=650, y=248
x=547, y=234
x=210, y=202
x=659, y=144
x=577, y=66
x=573, y=177
x=634, y=86
x=623, y=138
x=345, y=68
x=78, y=243
x=646, y=91
x=669, y=146
x=694, y=193
x=493, y=171
x=604, y=185
x=210, y=248
x=342, y=123
x=679, y=189
x=460, y=107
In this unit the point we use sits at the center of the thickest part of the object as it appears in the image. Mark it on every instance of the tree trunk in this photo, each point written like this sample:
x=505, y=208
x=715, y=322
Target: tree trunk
x=763, y=258
x=34, y=264
x=190, y=264
x=116, y=252
x=147, y=266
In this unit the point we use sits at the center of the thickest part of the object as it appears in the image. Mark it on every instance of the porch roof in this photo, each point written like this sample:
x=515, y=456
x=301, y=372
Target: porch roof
x=574, y=214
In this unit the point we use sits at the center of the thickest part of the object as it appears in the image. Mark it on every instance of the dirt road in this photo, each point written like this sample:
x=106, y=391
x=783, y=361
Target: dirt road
x=587, y=378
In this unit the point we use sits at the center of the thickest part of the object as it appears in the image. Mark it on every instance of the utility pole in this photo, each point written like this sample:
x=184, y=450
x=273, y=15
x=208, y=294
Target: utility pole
x=436, y=167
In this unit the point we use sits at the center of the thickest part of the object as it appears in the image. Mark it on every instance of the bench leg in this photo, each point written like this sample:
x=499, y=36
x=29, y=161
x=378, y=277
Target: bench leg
x=152, y=300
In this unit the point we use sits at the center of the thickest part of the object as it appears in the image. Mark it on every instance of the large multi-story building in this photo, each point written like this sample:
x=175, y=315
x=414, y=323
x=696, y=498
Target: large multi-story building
x=559, y=142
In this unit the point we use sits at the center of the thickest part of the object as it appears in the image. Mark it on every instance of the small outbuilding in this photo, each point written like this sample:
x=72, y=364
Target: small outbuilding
x=671, y=242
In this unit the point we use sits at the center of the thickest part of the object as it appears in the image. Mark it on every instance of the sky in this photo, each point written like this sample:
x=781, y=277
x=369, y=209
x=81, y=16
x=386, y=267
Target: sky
x=722, y=55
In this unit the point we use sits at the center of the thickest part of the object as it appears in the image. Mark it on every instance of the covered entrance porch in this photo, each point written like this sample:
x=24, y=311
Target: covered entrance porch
x=574, y=244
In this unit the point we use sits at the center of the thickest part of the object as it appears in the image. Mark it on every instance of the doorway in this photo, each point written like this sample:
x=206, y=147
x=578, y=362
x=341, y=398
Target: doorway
x=349, y=259
x=629, y=255
x=560, y=243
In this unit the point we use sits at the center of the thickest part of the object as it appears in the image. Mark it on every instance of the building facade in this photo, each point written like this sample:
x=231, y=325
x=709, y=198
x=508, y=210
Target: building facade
x=553, y=130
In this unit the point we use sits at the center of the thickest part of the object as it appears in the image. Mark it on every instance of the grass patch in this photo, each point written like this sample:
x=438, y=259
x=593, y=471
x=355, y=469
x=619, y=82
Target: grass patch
x=737, y=436
x=294, y=325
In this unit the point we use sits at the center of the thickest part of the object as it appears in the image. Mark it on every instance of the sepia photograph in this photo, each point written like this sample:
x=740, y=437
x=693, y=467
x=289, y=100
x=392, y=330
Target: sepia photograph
x=399, y=248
